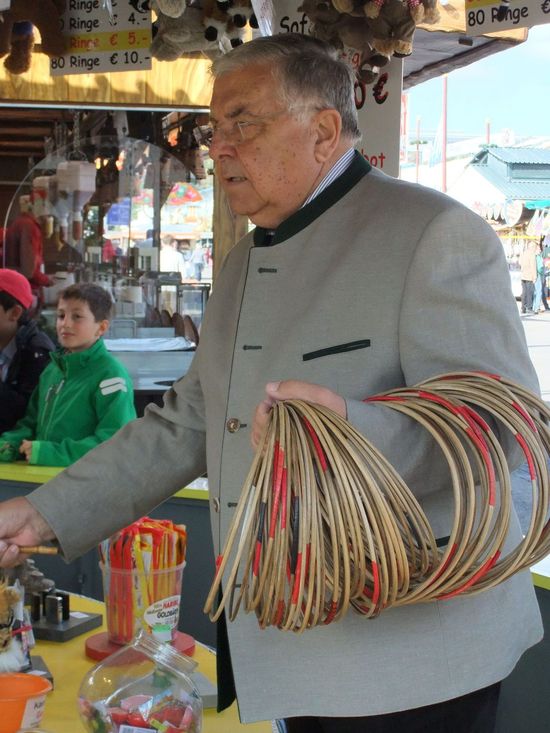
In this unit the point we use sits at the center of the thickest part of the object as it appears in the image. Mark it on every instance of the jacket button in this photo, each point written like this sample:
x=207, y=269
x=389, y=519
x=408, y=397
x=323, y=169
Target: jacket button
x=233, y=424
x=216, y=504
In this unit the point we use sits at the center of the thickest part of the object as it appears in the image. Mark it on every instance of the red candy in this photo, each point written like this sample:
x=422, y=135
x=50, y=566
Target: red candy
x=137, y=720
x=187, y=719
x=118, y=715
x=172, y=715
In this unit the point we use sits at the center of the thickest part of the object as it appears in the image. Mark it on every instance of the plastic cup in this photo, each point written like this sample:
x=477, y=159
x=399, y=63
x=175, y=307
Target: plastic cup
x=135, y=601
x=22, y=700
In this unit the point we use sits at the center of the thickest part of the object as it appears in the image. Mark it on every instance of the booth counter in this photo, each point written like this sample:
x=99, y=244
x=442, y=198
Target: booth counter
x=188, y=506
x=68, y=664
x=525, y=697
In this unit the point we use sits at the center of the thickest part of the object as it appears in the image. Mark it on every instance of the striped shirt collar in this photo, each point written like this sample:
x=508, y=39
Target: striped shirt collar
x=358, y=167
x=337, y=169
x=341, y=165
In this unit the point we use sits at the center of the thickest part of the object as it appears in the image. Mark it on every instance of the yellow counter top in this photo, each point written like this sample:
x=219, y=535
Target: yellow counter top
x=541, y=573
x=22, y=472
x=68, y=664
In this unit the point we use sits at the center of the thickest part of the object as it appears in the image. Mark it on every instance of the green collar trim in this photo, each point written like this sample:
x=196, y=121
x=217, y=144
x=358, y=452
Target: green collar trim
x=302, y=218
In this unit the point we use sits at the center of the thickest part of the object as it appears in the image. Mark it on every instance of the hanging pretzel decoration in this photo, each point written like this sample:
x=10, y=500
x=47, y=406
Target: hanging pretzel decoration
x=325, y=523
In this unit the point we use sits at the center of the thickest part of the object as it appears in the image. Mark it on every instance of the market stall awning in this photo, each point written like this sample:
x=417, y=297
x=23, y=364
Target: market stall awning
x=520, y=174
x=185, y=83
x=446, y=45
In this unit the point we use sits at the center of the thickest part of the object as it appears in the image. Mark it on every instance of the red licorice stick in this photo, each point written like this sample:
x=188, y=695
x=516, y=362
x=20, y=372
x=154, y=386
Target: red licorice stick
x=487, y=565
x=280, y=613
x=487, y=460
x=331, y=612
x=525, y=415
x=445, y=564
x=528, y=456
x=316, y=443
x=277, y=483
x=373, y=594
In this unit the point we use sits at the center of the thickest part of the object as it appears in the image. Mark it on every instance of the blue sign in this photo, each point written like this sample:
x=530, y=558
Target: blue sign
x=119, y=214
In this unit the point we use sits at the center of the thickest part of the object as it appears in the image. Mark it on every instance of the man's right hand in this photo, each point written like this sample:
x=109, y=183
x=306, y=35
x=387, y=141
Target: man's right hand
x=292, y=389
x=20, y=524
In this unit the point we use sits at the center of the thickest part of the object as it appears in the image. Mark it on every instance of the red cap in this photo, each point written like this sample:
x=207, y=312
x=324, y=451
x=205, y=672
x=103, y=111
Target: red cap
x=17, y=286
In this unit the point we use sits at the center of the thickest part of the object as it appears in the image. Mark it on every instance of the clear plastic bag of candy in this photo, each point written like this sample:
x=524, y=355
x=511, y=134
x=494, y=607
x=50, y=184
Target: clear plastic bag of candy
x=144, y=686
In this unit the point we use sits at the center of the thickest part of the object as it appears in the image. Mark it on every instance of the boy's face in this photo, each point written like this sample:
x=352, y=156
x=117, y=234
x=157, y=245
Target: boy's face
x=8, y=323
x=77, y=328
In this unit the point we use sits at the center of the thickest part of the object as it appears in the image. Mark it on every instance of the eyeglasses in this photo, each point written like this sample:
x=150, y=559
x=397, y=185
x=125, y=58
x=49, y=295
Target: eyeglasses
x=234, y=133
x=239, y=132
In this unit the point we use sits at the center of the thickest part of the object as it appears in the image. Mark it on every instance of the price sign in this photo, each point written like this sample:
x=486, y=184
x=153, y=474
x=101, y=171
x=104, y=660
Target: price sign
x=98, y=40
x=488, y=16
x=378, y=104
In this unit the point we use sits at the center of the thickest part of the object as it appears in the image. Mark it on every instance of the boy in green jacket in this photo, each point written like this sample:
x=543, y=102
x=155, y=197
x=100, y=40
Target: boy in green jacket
x=84, y=395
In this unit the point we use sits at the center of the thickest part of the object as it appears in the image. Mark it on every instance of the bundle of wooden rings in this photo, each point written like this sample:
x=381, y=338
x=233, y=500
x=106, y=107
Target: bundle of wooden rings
x=325, y=523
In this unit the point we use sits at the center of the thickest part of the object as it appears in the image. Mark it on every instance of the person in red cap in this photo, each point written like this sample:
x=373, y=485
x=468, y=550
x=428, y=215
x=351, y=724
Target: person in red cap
x=24, y=349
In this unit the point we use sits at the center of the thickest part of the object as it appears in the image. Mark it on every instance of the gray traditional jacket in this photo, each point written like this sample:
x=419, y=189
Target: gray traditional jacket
x=375, y=284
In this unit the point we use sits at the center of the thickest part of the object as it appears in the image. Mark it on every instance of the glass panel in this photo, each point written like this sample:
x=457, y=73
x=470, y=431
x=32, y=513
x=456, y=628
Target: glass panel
x=128, y=215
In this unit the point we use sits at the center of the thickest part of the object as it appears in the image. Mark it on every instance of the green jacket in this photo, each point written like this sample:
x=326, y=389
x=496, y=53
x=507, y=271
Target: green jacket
x=81, y=400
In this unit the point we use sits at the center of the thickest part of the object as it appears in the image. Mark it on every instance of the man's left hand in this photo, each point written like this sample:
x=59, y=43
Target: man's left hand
x=292, y=389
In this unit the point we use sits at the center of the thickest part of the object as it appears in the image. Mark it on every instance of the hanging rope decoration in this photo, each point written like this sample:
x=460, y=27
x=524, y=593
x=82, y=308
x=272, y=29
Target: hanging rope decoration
x=325, y=523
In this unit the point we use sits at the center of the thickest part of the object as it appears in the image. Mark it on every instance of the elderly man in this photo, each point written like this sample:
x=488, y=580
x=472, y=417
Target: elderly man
x=350, y=284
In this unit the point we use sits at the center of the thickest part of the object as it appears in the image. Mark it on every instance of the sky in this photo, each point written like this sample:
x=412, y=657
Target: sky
x=510, y=88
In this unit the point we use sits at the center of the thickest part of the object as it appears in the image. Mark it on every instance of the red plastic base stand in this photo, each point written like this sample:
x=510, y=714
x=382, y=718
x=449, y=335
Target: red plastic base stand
x=98, y=646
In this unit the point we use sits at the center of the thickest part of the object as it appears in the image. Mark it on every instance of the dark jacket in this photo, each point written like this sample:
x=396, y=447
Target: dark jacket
x=33, y=354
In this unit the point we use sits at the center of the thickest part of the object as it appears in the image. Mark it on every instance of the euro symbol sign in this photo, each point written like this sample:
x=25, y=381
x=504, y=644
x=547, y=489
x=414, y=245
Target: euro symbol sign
x=113, y=39
x=378, y=91
x=114, y=58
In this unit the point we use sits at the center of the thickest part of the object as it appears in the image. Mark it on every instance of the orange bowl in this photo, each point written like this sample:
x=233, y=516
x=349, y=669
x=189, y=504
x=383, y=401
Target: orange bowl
x=22, y=700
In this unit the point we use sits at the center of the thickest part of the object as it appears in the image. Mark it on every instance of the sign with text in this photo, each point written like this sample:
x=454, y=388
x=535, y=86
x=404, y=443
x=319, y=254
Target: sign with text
x=379, y=114
x=488, y=16
x=98, y=40
x=378, y=104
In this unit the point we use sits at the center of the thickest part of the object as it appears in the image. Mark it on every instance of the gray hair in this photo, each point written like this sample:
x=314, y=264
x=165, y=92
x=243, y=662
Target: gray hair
x=307, y=70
